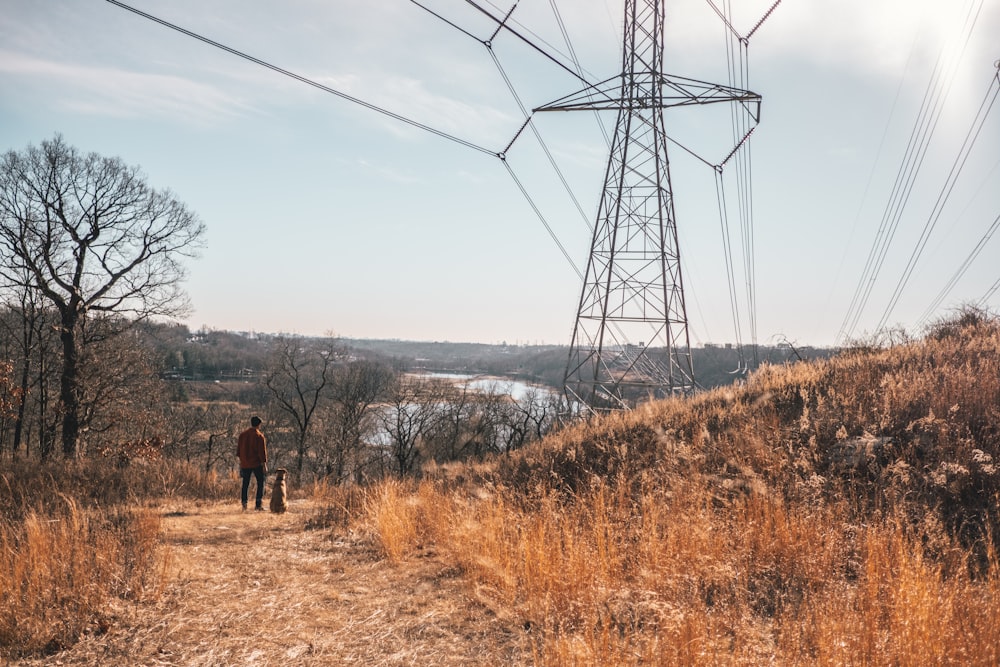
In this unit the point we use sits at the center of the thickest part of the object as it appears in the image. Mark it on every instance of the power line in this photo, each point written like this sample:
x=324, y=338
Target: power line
x=538, y=137
x=871, y=175
x=527, y=41
x=541, y=218
x=920, y=137
x=306, y=80
x=989, y=293
x=451, y=23
x=956, y=169
x=891, y=214
x=730, y=269
x=488, y=43
x=391, y=114
x=579, y=67
x=943, y=294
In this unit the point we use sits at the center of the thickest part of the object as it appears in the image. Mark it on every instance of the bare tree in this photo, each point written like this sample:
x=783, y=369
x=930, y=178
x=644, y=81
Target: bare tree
x=23, y=325
x=90, y=235
x=8, y=392
x=224, y=429
x=469, y=423
x=298, y=375
x=121, y=395
x=355, y=389
x=412, y=407
x=529, y=417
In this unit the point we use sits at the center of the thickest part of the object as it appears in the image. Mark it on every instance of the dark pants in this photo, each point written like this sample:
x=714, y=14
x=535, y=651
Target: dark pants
x=257, y=472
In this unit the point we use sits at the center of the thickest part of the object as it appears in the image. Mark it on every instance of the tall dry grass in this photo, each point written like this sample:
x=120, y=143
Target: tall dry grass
x=77, y=539
x=728, y=529
x=674, y=579
x=62, y=570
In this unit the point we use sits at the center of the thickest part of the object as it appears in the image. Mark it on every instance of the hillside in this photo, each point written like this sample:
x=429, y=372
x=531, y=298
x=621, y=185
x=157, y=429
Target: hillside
x=841, y=511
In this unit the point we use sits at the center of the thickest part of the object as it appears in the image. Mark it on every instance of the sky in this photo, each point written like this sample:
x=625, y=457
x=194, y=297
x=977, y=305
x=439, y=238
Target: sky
x=326, y=217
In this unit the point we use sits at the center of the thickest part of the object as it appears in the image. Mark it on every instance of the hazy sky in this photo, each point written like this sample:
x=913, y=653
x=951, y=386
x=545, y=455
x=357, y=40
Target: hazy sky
x=324, y=216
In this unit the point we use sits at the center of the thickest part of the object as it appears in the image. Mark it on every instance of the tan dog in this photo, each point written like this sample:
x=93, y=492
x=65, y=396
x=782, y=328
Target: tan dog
x=279, y=494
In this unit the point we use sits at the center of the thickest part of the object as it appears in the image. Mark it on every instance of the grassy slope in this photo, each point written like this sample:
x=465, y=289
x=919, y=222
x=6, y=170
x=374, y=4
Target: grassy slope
x=758, y=523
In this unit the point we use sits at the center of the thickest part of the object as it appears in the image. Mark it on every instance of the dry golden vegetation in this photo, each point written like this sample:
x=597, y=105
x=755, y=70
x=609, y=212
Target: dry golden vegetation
x=76, y=541
x=836, y=512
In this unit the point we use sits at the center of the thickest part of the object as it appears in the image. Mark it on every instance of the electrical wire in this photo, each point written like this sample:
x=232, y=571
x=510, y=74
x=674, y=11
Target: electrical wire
x=970, y=258
x=745, y=187
x=488, y=43
x=893, y=209
x=989, y=294
x=730, y=269
x=871, y=175
x=378, y=109
x=306, y=80
x=527, y=41
x=737, y=60
x=739, y=74
x=920, y=137
x=578, y=66
x=538, y=138
x=541, y=217
x=942, y=199
x=445, y=20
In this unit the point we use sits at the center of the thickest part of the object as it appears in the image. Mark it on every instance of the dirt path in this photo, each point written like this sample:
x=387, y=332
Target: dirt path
x=257, y=588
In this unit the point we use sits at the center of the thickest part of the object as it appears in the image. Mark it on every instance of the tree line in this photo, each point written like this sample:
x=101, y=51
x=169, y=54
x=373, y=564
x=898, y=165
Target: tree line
x=330, y=411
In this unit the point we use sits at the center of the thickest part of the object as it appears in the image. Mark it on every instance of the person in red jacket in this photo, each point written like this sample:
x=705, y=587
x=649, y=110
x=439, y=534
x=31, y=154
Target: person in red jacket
x=252, y=450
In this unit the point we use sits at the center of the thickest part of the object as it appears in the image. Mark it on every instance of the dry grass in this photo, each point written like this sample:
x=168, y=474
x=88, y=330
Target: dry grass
x=62, y=572
x=744, y=526
x=727, y=529
x=676, y=580
x=260, y=588
x=76, y=543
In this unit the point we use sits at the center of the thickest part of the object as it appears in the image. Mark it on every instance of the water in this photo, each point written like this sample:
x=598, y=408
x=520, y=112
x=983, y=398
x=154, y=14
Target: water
x=516, y=389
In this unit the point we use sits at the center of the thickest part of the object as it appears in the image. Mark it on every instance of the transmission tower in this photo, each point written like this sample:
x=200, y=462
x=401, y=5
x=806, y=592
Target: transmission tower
x=630, y=340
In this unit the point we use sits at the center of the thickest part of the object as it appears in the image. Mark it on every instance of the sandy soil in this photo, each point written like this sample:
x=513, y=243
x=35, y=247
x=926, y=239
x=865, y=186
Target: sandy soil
x=258, y=588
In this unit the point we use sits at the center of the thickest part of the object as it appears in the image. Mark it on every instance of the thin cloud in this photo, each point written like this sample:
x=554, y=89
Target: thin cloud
x=119, y=93
x=480, y=123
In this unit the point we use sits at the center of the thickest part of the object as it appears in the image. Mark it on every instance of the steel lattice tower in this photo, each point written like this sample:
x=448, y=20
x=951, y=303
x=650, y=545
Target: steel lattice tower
x=630, y=340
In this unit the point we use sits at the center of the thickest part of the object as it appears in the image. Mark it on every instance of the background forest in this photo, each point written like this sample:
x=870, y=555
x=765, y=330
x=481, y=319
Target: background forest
x=335, y=409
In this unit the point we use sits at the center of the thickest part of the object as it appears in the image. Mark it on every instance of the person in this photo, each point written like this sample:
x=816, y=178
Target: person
x=251, y=448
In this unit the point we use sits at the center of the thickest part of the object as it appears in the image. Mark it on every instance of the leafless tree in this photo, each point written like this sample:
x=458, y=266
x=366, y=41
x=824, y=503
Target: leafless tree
x=299, y=374
x=223, y=423
x=356, y=387
x=121, y=395
x=469, y=423
x=91, y=236
x=22, y=325
x=529, y=417
x=412, y=407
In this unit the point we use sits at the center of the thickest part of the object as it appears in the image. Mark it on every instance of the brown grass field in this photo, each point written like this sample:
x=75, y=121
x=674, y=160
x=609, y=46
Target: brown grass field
x=841, y=512
x=259, y=588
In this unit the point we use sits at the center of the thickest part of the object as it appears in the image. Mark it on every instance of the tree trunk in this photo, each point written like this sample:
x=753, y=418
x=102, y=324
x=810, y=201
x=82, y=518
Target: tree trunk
x=21, y=405
x=46, y=435
x=301, y=456
x=69, y=394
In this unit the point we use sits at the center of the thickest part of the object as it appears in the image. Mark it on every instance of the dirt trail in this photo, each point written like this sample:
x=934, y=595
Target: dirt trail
x=257, y=588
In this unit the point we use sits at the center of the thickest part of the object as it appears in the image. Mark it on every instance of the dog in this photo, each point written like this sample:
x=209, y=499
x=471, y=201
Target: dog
x=279, y=494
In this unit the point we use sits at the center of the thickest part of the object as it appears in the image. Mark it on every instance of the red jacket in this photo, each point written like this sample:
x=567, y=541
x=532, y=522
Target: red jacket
x=252, y=448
